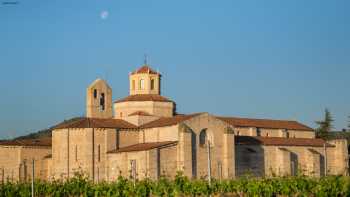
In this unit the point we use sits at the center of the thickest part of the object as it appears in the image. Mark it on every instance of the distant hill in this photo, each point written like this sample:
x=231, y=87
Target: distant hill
x=35, y=135
x=42, y=133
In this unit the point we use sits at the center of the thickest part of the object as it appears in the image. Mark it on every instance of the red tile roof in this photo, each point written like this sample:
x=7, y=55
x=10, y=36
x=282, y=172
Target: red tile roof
x=168, y=121
x=96, y=123
x=28, y=142
x=265, y=123
x=145, y=69
x=144, y=97
x=279, y=141
x=140, y=113
x=144, y=146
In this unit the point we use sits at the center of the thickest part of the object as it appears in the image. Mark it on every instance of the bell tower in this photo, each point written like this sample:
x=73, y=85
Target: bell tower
x=144, y=81
x=99, y=100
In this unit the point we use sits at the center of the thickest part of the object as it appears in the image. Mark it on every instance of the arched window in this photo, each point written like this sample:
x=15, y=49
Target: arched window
x=203, y=136
x=152, y=84
x=142, y=84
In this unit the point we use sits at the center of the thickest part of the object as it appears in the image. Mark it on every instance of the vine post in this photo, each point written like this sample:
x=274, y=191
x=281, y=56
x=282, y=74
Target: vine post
x=209, y=162
x=33, y=177
x=325, y=158
x=3, y=175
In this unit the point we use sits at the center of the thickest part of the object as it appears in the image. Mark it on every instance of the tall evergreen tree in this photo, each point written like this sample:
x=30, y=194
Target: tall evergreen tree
x=349, y=123
x=325, y=126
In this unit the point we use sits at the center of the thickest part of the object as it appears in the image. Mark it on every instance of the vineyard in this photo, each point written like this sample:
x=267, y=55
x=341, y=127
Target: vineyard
x=182, y=186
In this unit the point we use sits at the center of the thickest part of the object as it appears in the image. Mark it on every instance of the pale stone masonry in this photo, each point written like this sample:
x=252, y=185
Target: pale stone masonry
x=142, y=136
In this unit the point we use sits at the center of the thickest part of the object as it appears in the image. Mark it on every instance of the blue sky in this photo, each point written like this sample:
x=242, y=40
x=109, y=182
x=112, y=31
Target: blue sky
x=262, y=59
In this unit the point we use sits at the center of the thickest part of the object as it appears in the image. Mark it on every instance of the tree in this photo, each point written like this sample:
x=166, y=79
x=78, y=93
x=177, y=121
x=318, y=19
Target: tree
x=325, y=125
x=349, y=123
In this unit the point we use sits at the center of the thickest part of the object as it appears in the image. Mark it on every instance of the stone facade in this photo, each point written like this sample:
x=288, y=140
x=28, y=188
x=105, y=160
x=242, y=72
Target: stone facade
x=123, y=110
x=16, y=163
x=146, y=138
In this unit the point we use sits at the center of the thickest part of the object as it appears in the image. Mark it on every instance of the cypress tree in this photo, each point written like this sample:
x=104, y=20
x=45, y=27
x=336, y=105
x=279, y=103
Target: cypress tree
x=349, y=123
x=325, y=126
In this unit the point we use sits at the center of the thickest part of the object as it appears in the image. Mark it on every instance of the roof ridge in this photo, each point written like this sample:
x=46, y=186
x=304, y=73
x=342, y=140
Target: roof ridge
x=266, y=123
x=145, y=69
x=256, y=118
x=144, y=97
x=168, y=121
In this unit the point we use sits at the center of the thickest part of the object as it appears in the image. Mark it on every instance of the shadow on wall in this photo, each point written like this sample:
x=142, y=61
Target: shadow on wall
x=250, y=160
x=294, y=164
x=194, y=154
x=322, y=165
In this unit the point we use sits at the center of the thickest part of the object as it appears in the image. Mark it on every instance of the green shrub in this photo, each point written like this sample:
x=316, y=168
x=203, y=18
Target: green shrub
x=81, y=186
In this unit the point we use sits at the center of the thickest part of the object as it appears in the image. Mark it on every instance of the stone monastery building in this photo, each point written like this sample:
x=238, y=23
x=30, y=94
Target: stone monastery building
x=141, y=136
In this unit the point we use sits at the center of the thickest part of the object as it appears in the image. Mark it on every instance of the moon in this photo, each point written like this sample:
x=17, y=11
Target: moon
x=104, y=14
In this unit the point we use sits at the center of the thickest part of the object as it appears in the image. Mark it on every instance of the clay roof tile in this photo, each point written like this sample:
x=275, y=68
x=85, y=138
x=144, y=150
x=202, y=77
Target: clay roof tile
x=28, y=142
x=144, y=97
x=265, y=123
x=168, y=121
x=145, y=69
x=279, y=141
x=144, y=146
x=96, y=123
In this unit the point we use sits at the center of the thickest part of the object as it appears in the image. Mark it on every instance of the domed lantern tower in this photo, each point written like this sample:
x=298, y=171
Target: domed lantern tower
x=144, y=102
x=144, y=81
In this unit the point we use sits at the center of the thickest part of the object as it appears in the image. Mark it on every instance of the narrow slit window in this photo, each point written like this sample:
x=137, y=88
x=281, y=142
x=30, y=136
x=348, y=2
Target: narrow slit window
x=152, y=84
x=133, y=84
x=102, y=102
x=95, y=93
x=99, y=153
x=76, y=153
x=258, y=132
x=287, y=134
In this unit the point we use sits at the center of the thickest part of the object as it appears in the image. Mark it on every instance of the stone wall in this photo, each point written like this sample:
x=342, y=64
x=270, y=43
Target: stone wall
x=128, y=137
x=28, y=153
x=159, y=134
x=290, y=160
x=149, y=163
x=250, y=160
x=16, y=162
x=168, y=161
x=265, y=132
x=222, y=147
x=140, y=119
x=82, y=151
x=337, y=157
x=160, y=109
